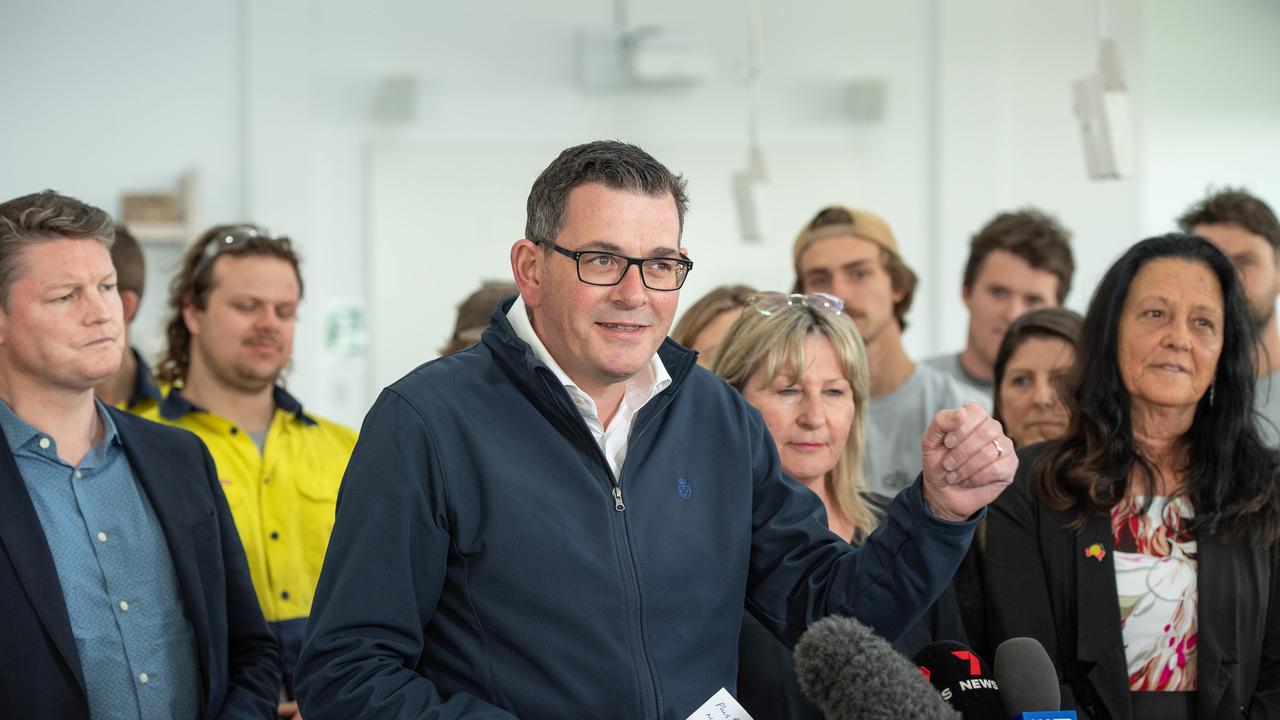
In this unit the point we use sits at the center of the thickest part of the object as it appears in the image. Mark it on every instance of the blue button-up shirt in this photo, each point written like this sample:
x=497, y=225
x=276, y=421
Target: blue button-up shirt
x=137, y=649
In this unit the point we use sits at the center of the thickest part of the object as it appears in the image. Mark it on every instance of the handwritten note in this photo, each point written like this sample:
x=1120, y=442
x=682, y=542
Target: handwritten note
x=721, y=706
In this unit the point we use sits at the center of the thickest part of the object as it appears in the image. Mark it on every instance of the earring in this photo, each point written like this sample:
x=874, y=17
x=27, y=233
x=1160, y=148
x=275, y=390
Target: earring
x=1211, y=387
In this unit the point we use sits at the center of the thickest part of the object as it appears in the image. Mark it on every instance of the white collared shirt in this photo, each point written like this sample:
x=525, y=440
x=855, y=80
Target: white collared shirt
x=651, y=380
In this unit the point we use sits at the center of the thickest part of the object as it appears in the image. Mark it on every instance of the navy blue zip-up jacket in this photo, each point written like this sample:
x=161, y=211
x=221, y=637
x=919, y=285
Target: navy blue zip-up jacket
x=482, y=566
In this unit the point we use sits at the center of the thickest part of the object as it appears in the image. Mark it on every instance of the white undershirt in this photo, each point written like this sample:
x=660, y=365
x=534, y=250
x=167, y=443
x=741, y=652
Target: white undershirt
x=651, y=380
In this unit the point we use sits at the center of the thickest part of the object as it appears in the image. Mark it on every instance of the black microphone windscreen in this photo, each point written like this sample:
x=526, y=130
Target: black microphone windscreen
x=962, y=679
x=851, y=673
x=1028, y=681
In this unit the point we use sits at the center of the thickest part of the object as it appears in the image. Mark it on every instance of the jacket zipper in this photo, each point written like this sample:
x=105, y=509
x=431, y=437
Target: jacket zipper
x=639, y=423
x=572, y=418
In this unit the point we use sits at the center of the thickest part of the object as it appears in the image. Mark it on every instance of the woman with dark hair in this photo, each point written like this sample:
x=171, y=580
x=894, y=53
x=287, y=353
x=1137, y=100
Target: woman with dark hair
x=1037, y=349
x=1142, y=548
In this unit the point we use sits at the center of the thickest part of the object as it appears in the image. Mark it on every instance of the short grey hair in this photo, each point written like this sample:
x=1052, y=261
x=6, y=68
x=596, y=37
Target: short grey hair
x=616, y=165
x=41, y=217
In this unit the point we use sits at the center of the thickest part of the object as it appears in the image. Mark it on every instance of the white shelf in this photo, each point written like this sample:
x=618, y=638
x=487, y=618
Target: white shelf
x=161, y=233
x=174, y=232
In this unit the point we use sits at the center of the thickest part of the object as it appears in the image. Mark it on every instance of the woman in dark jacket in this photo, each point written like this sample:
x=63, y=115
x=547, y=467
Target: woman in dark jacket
x=1142, y=548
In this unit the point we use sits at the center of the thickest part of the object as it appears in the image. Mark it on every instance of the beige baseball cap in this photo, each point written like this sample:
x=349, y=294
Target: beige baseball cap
x=863, y=224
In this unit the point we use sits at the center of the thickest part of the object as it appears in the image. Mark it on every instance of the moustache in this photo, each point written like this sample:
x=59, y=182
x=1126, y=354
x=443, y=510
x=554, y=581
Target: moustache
x=264, y=338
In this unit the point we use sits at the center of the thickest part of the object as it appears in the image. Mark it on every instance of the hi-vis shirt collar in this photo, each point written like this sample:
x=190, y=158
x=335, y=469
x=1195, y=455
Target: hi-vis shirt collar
x=175, y=406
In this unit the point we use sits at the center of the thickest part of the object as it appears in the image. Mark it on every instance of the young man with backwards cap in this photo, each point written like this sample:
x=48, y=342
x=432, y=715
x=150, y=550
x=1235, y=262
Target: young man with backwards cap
x=853, y=255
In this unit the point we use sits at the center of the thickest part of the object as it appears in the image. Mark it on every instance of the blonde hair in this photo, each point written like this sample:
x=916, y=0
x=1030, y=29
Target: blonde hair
x=707, y=308
x=776, y=342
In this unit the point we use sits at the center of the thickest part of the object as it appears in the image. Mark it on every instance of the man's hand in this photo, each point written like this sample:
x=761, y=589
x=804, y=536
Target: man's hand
x=288, y=711
x=968, y=461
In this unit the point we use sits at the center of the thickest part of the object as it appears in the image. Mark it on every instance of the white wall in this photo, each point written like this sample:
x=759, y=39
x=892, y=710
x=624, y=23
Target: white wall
x=1213, y=112
x=97, y=99
x=408, y=215
x=102, y=98
x=447, y=189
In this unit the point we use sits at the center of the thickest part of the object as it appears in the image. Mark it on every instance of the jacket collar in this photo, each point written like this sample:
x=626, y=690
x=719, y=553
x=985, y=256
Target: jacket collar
x=516, y=354
x=1099, y=638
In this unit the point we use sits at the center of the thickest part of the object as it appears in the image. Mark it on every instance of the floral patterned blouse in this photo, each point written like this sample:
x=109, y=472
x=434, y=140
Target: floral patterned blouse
x=1155, y=559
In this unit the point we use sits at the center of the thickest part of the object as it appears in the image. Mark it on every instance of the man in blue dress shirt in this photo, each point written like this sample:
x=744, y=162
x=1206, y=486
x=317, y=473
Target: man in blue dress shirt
x=124, y=591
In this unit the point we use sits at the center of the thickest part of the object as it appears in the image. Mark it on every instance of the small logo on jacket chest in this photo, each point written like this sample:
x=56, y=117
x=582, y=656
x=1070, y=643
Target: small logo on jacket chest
x=684, y=488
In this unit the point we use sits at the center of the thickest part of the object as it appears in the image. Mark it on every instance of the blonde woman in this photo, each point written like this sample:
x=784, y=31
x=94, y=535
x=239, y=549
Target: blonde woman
x=799, y=360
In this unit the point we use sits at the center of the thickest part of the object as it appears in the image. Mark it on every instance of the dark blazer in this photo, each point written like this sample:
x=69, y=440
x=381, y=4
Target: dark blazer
x=1040, y=584
x=40, y=671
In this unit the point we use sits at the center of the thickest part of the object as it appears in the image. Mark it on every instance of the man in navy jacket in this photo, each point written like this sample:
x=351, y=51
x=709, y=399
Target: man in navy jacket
x=569, y=518
x=124, y=591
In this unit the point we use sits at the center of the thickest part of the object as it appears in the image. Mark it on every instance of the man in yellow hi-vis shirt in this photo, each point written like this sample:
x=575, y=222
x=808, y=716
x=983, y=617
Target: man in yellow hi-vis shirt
x=234, y=311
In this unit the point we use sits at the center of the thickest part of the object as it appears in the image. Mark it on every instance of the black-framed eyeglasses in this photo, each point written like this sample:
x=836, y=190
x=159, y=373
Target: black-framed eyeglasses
x=769, y=303
x=606, y=269
x=236, y=237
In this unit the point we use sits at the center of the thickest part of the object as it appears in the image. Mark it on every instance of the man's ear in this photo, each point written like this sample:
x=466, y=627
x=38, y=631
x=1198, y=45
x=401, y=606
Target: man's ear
x=191, y=317
x=129, y=301
x=528, y=266
x=966, y=294
x=897, y=293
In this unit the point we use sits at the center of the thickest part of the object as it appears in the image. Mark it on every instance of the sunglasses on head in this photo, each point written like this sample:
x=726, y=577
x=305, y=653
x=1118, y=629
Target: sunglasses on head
x=771, y=302
x=233, y=238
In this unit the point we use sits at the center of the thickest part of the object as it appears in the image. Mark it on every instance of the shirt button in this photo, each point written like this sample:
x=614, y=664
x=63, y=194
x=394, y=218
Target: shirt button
x=235, y=430
x=124, y=606
x=275, y=535
x=44, y=443
x=77, y=474
x=284, y=595
x=102, y=537
x=143, y=678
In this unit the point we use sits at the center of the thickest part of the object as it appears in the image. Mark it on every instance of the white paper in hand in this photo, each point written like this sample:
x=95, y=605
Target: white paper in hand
x=721, y=706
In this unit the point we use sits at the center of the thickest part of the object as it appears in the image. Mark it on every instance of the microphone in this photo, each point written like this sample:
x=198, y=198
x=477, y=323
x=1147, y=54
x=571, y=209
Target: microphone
x=962, y=679
x=1028, y=681
x=851, y=673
